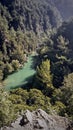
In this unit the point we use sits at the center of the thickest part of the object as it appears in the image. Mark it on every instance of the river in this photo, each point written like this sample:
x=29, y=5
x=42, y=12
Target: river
x=19, y=78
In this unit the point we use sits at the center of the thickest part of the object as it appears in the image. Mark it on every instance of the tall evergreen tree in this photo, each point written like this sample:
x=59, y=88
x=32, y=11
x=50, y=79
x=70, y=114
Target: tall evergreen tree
x=44, y=76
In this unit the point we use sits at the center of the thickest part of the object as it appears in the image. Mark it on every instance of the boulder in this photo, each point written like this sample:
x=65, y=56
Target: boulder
x=39, y=120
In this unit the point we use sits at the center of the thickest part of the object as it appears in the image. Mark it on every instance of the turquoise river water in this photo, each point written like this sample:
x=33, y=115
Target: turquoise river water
x=21, y=77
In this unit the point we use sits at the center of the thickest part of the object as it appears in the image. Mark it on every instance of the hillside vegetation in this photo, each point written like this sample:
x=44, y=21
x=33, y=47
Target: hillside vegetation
x=27, y=26
x=33, y=15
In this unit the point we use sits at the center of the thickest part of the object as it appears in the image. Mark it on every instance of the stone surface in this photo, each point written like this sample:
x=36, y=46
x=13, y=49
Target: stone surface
x=39, y=120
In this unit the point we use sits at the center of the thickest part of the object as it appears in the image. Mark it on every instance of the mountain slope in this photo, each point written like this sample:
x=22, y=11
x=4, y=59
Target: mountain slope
x=65, y=7
x=66, y=30
x=33, y=15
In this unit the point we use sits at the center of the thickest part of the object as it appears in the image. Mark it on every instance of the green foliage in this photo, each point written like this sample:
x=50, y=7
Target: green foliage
x=35, y=17
x=15, y=64
x=62, y=44
x=8, y=69
x=14, y=45
x=23, y=94
x=67, y=96
x=59, y=108
x=56, y=96
x=64, y=95
x=43, y=50
x=6, y=109
x=1, y=75
x=59, y=69
x=21, y=28
x=61, y=57
x=44, y=76
x=34, y=99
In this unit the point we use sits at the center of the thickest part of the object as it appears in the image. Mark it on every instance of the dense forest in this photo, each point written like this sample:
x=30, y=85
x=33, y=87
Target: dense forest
x=27, y=26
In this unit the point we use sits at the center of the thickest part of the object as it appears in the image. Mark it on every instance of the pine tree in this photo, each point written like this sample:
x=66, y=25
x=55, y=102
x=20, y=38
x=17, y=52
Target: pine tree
x=44, y=76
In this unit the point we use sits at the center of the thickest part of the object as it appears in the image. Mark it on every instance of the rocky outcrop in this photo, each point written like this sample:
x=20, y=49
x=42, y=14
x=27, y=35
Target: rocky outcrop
x=39, y=120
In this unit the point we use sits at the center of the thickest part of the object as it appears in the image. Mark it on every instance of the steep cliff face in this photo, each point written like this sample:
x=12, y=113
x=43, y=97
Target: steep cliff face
x=34, y=15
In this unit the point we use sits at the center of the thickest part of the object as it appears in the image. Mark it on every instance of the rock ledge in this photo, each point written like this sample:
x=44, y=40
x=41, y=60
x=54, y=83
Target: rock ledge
x=39, y=120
